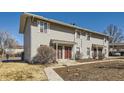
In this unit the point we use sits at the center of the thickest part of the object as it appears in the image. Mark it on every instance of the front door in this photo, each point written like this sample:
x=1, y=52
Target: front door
x=68, y=53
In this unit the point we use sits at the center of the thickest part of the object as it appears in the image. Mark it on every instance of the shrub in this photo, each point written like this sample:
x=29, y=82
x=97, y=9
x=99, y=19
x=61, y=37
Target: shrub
x=78, y=56
x=94, y=55
x=101, y=56
x=45, y=54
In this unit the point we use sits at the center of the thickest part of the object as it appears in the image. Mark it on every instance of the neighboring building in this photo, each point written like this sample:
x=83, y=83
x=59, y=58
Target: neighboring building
x=68, y=40
x=116, y=49
x=13, y=51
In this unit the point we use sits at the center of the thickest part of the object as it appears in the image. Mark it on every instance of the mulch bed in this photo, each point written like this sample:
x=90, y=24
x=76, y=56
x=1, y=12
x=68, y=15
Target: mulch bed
x=107, y=71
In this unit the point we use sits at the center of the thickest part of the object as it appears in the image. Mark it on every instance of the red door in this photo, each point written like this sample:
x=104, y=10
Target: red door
x=68, y=51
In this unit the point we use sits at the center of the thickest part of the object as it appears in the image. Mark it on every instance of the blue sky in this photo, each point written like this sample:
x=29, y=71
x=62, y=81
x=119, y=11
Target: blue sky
x=95, y=21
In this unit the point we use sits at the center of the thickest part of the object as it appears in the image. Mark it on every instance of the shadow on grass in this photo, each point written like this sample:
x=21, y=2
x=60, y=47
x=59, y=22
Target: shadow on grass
x=15, y=60
x=29, y=63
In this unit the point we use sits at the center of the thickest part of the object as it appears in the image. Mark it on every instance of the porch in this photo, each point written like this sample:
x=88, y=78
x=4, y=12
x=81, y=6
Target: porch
x=97, y=51
x=64, y=49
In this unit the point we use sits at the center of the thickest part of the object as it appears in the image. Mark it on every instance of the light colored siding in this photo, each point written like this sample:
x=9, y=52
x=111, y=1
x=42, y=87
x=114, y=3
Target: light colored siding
x=33, y=38
x=54, y=32
x=61, y=33
x=27, y=39
x=37, y=39
x=94, y=39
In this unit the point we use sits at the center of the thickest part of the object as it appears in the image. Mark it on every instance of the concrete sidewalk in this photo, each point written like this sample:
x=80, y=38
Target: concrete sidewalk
x=70, y=63
x=52, y=75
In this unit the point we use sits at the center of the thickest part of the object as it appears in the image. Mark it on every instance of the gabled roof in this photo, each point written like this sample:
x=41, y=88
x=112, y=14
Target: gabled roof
x=25, y=15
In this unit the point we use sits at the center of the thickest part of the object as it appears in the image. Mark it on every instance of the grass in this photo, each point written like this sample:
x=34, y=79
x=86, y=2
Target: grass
x=21, y=71
x=107, y=71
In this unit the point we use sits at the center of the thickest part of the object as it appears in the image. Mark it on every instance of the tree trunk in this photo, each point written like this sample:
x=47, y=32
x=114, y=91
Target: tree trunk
x=2, y=54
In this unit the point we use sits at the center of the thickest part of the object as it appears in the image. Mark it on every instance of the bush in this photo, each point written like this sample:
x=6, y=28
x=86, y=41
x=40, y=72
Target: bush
x=94, y=55
x=45, y=54
x=78, y=56
x=101, y=56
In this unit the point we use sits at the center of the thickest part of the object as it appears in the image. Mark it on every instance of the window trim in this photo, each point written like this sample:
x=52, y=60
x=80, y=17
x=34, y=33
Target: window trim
x=40, y=26
x=35, y=21
x=78, y=35
x=105, y=40
x=83, y=33
x=39, y=22
x=88, y=36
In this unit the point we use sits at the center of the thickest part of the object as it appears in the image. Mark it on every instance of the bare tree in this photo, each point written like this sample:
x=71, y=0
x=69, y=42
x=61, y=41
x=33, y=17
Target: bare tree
x=10, y=43
x=115, y=32
x=6, y=41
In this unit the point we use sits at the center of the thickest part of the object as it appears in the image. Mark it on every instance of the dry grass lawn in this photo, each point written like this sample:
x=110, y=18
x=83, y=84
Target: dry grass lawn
x=21, y=71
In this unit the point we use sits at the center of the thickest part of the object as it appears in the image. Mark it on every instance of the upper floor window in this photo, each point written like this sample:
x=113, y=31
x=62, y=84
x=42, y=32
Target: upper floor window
x=83, y=33
x=43, y=27
x=88, y=36
x=35, y=22
x=78, y=35
x=105, y=40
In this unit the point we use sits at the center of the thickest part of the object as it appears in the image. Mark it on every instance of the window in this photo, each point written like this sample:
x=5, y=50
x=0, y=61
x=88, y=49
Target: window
x=83, y=33
x=78, y=49
x=105, y=40
x=43, y=27
x=88, y=51
x=88, y=36
x=77, y=53
x=78, y=34
x=35, y=23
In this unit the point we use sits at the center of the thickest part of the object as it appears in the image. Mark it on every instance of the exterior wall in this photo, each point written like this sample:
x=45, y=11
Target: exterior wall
x=54, y=32
x=100, y=40
x=83, y=43
x=37, y=39
x=27, y=41
x=61, y=33
x=33, y=38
